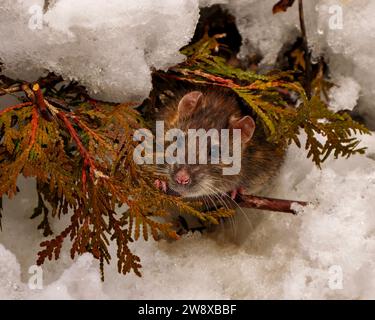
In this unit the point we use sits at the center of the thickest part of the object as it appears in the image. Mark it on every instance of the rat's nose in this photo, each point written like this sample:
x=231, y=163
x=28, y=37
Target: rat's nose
x=182, y=177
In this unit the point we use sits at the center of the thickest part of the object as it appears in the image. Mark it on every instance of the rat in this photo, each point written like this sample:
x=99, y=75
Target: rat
x=219, y=109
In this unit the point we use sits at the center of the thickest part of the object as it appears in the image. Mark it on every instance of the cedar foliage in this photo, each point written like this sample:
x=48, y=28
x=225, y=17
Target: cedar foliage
x=265, y=96
x=80, y=151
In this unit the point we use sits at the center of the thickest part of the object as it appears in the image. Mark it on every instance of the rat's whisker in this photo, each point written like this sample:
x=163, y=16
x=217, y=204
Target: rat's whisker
x=207, y=196
x=205, y=203
x=231, y=219
x=219, y=198
x=240, y=209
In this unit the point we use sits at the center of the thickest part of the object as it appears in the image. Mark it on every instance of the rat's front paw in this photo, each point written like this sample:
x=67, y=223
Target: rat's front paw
x=235, y=192
x=161, y=185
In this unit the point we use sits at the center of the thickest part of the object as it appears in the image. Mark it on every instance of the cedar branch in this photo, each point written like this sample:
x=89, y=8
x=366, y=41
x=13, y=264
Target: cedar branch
x=10, y=90
x=270, y=204
x=88, y=161
x=307, y=52
x=17, y=106
x=45, y=108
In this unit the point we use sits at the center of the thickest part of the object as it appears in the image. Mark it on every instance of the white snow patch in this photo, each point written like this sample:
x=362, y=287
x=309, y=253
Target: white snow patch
x=109, y=47
x=262, y=30
x=344, y=95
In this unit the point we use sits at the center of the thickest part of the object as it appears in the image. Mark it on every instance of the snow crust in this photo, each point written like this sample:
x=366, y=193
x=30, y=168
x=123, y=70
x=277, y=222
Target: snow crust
x=344, y=94
x=109, y=47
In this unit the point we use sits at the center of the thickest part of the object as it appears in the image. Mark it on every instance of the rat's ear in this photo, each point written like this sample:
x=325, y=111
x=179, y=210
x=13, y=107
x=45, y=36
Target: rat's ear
x=189, y=103
x=247, y=126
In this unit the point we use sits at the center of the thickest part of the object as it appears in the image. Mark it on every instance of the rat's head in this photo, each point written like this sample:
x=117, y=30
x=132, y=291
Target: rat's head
x=211, y=110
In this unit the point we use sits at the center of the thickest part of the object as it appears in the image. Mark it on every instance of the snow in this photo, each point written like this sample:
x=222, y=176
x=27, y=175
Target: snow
x=327, y=251
x=343, y=31
x=261, y=30
x=351, y=48
x=111, y=48
x=344, y=94
x=283, y=256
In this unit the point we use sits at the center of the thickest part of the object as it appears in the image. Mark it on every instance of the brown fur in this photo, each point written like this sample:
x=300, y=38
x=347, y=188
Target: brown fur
x=260, y=160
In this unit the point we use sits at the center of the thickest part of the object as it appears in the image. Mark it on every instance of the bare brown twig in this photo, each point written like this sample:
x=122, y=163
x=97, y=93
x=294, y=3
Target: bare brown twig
x=270, y=204
x=10, y=90
x=307, y=53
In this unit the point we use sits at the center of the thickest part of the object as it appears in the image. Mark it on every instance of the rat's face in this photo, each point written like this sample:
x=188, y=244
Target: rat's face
x=192, y=181
x=207, y=111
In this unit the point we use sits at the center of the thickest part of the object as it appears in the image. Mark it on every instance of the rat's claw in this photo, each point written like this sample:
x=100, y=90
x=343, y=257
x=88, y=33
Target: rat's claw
x=237, y=191
x=164, y=186
x=160, y=184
